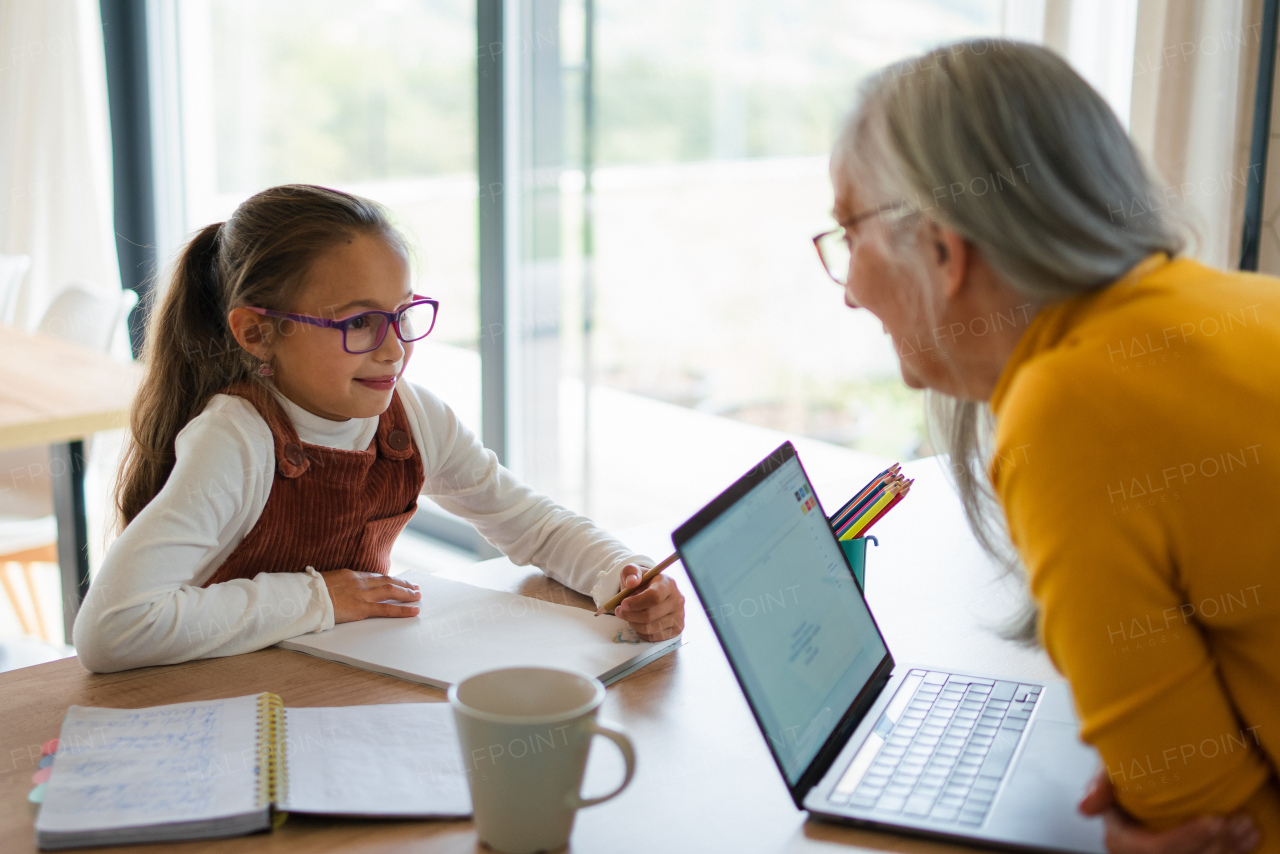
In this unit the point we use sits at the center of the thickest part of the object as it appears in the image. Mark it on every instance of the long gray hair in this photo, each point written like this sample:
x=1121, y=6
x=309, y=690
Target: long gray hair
x=1004, y=144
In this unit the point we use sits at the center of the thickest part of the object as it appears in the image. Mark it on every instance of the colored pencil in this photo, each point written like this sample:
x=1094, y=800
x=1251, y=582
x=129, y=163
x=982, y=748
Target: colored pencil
x=868, y=500
x=901, y=495
x=881, y=503
x=843, y=512
x=842, y=515
x=867, y=496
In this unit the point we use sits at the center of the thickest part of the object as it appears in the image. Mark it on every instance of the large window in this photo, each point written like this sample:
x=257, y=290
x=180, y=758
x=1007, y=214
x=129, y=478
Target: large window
x=708, y=137
x=665, y=165
x=374, y=98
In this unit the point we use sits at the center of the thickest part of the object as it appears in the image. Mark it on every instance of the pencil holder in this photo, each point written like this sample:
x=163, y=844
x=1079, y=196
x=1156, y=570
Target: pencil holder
x=855, y=551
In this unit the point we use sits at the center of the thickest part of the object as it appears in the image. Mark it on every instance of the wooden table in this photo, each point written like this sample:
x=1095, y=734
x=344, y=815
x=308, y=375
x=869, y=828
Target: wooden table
x=55, y=392
x=705, y=781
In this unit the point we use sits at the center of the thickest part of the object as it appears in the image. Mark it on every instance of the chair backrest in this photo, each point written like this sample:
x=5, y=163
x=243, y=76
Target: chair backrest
x=12, y=270
x=87, y=315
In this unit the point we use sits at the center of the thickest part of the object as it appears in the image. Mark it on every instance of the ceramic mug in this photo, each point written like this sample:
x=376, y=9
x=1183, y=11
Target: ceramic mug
x=525, y=733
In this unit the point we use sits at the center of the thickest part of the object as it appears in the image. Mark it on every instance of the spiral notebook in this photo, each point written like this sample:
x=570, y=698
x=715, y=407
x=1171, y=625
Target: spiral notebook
x=235, y=766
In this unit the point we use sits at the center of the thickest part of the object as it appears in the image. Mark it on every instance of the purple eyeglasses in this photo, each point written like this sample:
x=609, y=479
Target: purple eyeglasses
x=365, y=332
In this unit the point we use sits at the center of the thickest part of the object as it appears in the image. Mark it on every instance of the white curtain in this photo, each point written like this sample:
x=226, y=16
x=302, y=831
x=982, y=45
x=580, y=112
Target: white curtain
x=55, y=154
x=1269, y=248
x=1195, y=69
x=1181, y=75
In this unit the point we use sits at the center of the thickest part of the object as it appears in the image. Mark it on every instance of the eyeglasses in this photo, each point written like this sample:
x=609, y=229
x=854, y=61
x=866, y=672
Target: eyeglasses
x=365, y=332
x=835, y=247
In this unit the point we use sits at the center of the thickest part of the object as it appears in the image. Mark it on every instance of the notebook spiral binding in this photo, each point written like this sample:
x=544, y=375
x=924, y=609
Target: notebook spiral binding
x=273, y=772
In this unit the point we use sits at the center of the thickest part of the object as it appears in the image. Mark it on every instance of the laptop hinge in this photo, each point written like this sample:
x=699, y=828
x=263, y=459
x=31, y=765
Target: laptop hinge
x=831, y=750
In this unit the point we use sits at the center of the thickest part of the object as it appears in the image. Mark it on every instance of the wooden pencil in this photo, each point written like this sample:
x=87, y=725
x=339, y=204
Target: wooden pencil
x=644, y=580
x=841, y=515
x=901, y=495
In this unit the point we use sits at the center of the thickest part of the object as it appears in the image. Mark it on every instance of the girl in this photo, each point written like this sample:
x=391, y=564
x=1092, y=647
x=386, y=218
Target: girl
x=996, y=217
x=276, y=454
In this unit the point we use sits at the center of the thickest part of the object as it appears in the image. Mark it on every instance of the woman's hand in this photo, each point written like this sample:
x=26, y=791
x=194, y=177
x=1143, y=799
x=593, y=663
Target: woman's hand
x=357, y=595
x=1208, y=834
x=657, y=613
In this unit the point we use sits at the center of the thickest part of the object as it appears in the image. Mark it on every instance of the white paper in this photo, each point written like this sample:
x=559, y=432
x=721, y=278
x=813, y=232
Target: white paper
x=119, y=768
x=399, y=759
x=462, y=629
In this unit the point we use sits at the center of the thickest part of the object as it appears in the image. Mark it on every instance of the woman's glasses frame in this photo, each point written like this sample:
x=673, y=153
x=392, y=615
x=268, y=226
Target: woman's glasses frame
x=392, y=319
x=836, y=258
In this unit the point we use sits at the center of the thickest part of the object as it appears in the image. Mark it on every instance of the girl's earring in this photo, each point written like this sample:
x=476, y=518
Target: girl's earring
x=265, y=370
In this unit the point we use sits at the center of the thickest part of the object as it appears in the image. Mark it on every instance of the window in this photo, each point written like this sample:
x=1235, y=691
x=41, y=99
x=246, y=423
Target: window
x=713, y=330
x=664, y=320
x=374, y=98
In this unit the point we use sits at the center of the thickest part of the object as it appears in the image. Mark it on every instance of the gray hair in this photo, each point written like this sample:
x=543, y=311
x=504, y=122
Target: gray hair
x=1004, y=144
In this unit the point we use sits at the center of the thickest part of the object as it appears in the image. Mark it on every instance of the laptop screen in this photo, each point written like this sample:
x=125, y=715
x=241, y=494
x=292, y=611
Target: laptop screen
x=787, y=609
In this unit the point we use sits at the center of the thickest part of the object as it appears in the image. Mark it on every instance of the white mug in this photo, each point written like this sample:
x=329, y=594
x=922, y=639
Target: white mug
x=525, y=733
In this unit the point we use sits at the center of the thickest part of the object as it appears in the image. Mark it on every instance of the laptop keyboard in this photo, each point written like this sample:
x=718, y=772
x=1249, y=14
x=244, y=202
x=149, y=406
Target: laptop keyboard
x=946, y=754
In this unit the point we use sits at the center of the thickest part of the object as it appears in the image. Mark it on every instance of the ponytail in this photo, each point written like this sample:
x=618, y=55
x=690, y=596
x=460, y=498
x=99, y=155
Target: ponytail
x=190, y=356
x=258, y=257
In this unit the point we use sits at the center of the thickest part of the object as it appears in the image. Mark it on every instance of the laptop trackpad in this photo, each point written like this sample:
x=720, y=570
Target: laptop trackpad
x=1039, y=799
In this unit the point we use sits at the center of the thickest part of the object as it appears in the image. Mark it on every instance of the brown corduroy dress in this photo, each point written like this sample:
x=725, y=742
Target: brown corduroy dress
x=329, y=509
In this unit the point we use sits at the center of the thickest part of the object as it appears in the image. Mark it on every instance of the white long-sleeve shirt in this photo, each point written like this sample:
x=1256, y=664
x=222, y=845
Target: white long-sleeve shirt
x=146, y=605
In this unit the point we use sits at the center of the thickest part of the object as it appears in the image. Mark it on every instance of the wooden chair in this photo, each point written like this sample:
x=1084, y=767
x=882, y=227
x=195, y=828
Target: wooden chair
x=28, y=543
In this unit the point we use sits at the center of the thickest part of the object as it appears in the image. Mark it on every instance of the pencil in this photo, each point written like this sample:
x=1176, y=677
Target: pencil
x=881, y=503
x=854, y=530
x=840, y=515
x=901, y=495
x=843, y=513
x=870, y=499
x=868, y=496
x=644, y=579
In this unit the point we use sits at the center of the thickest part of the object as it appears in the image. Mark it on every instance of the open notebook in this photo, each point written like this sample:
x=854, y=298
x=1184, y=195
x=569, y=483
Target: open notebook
x=219, y=767
x=461, y=629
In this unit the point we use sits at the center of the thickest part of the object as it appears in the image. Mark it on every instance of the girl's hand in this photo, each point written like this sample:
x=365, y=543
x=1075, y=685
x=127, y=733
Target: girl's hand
x=1204, y=835
x=357, y=595
x=655, y=614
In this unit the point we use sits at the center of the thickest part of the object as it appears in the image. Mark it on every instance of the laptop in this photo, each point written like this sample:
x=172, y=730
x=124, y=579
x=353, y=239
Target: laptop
x=858, y=738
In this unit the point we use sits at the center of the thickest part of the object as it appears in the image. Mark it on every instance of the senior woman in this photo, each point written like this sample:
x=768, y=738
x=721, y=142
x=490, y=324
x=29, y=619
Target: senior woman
x=1112, y=410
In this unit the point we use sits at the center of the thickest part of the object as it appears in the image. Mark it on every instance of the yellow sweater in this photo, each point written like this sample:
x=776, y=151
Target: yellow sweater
x=1138, y=463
